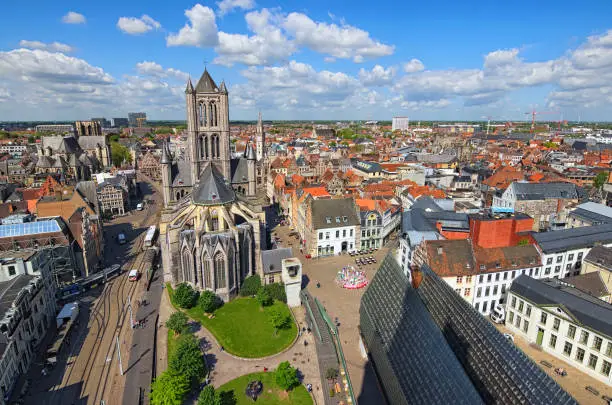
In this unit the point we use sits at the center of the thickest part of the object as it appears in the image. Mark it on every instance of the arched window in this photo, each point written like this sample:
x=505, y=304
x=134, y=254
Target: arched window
x=217, y=151
x=196, y=279
x=220, y=280
x=207, y=272
x=215, y=116
x=205, y=148
x=214, y=221
x=210, y=115
x=186, y=265
x=178, y=195
x=230, y=269
x=202, y=114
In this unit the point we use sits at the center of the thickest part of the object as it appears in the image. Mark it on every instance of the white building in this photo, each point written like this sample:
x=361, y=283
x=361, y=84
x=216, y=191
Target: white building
x=564, y=322
x=400, y=124
x=26, y=312
x=562, y=251
x=14, y=150
x=334, y=227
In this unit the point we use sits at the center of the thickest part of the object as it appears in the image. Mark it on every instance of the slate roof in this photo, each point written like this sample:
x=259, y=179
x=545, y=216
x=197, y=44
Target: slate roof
x=92, y=141
x=601, y=256
x=334, y=213
x=206, y=84
x=593, y=212
x=211, y=188
x=540, y=191
x=589, y=311
x=573, y=238
x=241, y=173
x=181, y=174
x=9, y=291
x=430, y=346
x=272, y=259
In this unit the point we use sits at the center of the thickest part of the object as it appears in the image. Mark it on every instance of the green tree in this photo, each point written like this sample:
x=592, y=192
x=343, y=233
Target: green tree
x=177, y=322
x=331, y=373
x=279, y=320
x=208, y=396
x=185, y=296
x=169, y=389
x=286, y=376
x=600, y=179
x=209, y=301
x=346, y=133
x=277, y=291
x=264, y=298
x=119, y=154
x=114, y=138
x=187, y=358
x=250, y=285
x=332, y=144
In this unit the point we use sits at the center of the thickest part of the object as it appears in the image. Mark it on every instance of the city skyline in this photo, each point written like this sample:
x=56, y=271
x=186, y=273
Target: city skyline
x=326, y=62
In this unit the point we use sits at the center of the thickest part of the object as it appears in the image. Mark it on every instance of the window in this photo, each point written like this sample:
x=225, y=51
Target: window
x=468, y=279
x=497, y=277
x=521, y=305
x=592, y=361
x=584, y=337
x=481, y=278
x=549, y=260
x=363, y=234
x=344, y=233
x=597, y=343
x=477, y=306
x=579, y=355
x=487, y=291
x=484, y=306
x=510, y=316
x=506, y=276
x=517, y=322
x=609, y=349
x=326, y=235
x=11, y=270
x=528, y=310
x=503, y=289
x=466, y=292
x=513, y=274
x=568, y=266
x=579, y=255
x=571, y=332
x=495, y=290
x=537, y=271
x=459, y=280
x=557, y=269
x=488, y=278
x=337, y=234
x=479, y=292
x=320, y=235
x=525, y=325
x=570, y=257
x=567, y=349
x=458, y=291
x=605, y=368
x=556, y=323
x=513, y=302
x=270, y=279
x=351, y=233
x=553, y=341
x=547, y=271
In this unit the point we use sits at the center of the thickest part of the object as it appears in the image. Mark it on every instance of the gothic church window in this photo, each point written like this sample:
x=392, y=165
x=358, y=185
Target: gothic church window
x=202, y=114
x=210, y=115
x=214, y=221
x=186, y=265
x=207, y=273
x=220, y=279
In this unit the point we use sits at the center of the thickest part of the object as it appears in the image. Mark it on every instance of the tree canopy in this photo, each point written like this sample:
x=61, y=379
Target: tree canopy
x=187, y=358
x=286, y=376
x=177, y=322
x=169, y=389
x=600, y=179
x=119, y=154
x=208, y=396
x=209, y=301
x=263, y=297
x=185, y=296
x=250, y=285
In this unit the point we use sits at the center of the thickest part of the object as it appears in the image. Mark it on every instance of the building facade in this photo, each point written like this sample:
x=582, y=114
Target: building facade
x=137, y=120
x=87, y=128
x=400, y=124
x=55, y=128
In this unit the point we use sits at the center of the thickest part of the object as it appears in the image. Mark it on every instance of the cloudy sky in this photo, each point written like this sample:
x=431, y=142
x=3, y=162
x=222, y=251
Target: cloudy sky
x=64, y=60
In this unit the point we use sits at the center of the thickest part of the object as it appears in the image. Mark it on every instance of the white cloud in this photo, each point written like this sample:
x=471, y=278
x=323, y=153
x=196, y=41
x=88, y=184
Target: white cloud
x=53, y=46
x=73, y=18
x=225, y=6
x=414, y=65
x=155, y=69
x=343, y=41
x=268, y=46
x=200, y=31
x=378, y=76
x=135, y=26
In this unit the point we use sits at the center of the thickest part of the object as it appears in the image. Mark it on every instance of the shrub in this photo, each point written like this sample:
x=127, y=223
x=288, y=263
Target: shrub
x=286, y=376
x=209, y=301
x=264, y=298
x=279, y=320
x=331, y=373
x=177, y=322
x=277, y=291
x=185, y=296
x=169, y=389
x=187, y=358
x=208, y=396
x=250, y=286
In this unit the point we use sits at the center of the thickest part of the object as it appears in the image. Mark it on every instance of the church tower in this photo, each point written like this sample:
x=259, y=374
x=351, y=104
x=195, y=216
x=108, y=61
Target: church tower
x=261, y=140
x=208, y=126
x=166, y=173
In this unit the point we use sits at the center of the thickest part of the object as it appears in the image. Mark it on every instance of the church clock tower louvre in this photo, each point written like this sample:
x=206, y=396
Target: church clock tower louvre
x=208, y=126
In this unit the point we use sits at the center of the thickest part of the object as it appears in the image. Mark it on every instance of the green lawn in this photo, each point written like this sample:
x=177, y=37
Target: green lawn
x=243, y=329
x=172, y=339
x=271, y=395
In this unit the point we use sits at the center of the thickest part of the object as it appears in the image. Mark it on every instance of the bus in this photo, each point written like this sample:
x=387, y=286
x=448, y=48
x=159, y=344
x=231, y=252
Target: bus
x=150, y=237
x=133, y=275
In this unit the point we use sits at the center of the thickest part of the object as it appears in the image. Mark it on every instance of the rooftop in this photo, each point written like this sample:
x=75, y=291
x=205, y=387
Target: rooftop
x=573, y=238
x=601, y=256
x=30, y=228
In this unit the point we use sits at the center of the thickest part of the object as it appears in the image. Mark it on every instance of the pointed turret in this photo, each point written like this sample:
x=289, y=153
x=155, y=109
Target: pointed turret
x=165, y=157
x=222, y=88
x=250, y=153
x=189, y=88
x=206, y=84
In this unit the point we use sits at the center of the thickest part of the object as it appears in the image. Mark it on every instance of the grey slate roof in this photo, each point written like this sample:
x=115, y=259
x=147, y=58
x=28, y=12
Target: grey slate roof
x=589, y=311
x=272, y=259
x=334, y=213
x=601, y=256
x=573, y=238
x=181, y=174
x=92, y=141
x=429, y=346
x=206, y=84
x=9, y=291
x=540, y=191
x=241, y=173
x=211, y=188
x=590, y=216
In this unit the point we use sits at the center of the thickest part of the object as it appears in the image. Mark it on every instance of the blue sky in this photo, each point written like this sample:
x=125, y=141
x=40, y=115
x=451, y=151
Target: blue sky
x=316, y=60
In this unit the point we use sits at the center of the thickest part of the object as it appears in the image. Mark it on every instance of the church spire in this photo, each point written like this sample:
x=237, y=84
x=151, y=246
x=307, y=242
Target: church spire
x=189, y=88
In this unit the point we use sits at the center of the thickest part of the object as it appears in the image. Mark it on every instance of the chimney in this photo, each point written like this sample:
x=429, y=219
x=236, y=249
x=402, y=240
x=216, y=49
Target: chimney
x=416, y=275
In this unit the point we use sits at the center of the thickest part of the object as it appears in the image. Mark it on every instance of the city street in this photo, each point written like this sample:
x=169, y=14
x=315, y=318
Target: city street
x=87, y=371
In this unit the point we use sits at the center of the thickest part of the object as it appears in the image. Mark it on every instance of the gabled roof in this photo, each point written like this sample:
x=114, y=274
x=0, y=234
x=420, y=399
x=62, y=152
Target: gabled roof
x=540, y=191
x=206, y=84
x=336, y=213
x=211, y=189
x=573, y=238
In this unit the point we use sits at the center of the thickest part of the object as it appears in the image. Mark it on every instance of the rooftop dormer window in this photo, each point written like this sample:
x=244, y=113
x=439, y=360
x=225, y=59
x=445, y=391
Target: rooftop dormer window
x=337, y=220
x=328, y=220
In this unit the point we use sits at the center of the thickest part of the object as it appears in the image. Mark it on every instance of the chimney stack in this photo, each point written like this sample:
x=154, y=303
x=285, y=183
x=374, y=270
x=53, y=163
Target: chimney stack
x=416, y=275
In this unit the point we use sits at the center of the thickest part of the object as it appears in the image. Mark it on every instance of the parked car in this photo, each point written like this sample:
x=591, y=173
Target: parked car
x=498, y=315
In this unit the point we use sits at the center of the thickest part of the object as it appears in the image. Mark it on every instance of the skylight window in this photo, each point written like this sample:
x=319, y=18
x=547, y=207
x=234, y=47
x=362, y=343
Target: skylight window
x=328, y=220
x=345, y=218
x=337, y=220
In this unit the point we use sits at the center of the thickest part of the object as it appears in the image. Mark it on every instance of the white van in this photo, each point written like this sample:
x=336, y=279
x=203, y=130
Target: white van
x=139, y=207
x=498, y=315
x=133, y=275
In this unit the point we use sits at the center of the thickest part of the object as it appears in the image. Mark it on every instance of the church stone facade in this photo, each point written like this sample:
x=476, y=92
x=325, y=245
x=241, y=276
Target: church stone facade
x=212, y=229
